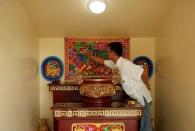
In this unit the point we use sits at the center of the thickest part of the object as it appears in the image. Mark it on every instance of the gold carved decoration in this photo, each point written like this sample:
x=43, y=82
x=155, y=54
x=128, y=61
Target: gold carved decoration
x=100, y=87
x=116, y=76
x=97, y=90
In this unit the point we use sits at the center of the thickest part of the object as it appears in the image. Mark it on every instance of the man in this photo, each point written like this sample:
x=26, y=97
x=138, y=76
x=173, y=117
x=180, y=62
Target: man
x=131, y=79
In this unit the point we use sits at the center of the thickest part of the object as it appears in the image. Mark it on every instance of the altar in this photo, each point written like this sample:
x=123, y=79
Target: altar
x=73, y=112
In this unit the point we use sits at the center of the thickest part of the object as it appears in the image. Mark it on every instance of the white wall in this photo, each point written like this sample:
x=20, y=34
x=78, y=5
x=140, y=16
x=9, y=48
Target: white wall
x=19, y=92
x=48, y=47
x=175, y=83
x=55, y=46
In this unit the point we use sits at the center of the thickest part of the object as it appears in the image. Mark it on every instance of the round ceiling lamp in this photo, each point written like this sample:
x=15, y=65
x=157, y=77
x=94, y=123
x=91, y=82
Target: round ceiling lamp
x=97, y=6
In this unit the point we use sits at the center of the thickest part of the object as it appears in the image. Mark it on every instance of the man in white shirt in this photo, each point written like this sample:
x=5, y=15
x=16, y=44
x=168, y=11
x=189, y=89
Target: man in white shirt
x=131, y=79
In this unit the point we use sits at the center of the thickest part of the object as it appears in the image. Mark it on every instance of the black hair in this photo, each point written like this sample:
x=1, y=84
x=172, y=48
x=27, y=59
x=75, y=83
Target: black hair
x=116, y=47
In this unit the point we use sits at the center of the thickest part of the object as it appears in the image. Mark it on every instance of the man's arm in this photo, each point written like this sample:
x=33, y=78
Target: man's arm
x=109, y=63
x=97, y=59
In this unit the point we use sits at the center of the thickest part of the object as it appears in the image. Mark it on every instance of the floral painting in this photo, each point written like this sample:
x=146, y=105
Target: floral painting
x=98, y=127
x=76, y=63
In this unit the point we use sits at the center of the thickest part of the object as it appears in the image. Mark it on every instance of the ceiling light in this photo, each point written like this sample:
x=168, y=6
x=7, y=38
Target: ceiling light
x=97, y=6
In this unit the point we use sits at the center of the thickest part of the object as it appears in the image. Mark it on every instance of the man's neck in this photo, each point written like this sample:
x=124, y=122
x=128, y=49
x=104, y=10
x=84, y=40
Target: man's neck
x=116, y=59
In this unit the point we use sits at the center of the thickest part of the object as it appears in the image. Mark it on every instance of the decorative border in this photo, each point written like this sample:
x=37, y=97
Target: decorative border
x=71, y=88
x=98, y=113
x=63, y=88
x=68, y=105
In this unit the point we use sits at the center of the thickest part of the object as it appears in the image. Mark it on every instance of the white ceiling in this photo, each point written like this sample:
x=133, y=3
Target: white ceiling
x=59, y=18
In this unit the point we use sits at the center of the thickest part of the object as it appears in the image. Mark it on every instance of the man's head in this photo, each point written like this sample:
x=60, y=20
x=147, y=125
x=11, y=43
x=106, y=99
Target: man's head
x=115, y=50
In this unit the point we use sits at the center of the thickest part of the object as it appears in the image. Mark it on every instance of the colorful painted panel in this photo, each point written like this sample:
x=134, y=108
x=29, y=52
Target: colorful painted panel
x=98, y=127
x=79, y=64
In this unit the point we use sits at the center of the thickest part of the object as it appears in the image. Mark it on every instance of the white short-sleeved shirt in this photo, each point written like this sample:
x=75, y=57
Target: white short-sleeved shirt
x=131, y=79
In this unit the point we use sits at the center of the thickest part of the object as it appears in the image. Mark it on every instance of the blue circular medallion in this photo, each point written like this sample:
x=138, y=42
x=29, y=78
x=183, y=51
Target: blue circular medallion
x=52, y=68
x=140, y=60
